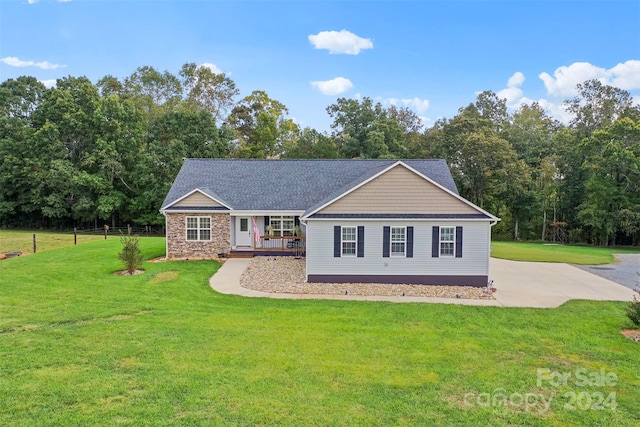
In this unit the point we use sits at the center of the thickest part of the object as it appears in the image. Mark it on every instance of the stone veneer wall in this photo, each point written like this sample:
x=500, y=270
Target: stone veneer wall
x=179, y=247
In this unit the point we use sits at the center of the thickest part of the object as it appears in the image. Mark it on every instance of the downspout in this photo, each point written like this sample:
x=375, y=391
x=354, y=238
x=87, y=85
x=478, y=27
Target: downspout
x=166, y=232
x=491, y=224
x=306, y=246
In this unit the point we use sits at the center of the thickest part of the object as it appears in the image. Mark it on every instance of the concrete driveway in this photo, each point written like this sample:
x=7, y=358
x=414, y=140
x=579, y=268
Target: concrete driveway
x=519, y=284
x=540, y=284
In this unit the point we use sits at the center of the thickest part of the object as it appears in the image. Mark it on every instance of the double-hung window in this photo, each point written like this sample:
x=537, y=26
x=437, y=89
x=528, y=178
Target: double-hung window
x=447, y=241
x=349, y=241
x=282, y=225
x=398, y=241
x=198, y=228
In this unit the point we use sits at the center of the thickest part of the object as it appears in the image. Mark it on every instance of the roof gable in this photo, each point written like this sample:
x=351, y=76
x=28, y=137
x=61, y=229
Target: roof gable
x=397, y=190
x=197, y=198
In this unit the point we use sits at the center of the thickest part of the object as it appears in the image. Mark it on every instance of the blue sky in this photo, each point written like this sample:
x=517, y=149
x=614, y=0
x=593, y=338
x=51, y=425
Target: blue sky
x=431, y=56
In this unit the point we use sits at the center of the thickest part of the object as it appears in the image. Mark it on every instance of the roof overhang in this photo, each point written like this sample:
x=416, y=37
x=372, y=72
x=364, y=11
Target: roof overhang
x=267, y=212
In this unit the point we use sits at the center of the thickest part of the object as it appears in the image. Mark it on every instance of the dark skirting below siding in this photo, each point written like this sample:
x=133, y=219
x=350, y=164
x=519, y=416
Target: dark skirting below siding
x=476, y=281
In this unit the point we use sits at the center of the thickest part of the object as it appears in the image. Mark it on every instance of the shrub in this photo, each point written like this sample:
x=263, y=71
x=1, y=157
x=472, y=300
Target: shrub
x=131, y=254
x=633, y=311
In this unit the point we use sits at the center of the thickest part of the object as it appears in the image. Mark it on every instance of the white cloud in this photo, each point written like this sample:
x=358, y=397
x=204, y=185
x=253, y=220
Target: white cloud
x=512, y=93
x=333, y=87
x=340, y=42
x=565, y=79
x=13, y=61
x=36, y=1
x=514, y=96
x=555, y=110
x=417, y=104
x=48, y=83
x=626, y=75
x=213, y=67
x=516, y=80
x=420, y=105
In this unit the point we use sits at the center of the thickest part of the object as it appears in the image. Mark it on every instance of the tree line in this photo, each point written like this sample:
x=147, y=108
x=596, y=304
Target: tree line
x=90, y=154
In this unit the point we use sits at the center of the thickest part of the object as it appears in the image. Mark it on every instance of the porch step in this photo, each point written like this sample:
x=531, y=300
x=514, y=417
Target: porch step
x=240, y=254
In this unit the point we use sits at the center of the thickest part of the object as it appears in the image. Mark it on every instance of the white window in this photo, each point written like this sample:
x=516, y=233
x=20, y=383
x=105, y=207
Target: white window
x=447, y=241
x=349, y=241
x=198, y=228
x=398, y=241
x=281, y=225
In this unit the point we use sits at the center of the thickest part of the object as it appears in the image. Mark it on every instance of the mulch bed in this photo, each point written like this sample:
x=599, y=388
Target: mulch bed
x=632, y=334
x=126, y=273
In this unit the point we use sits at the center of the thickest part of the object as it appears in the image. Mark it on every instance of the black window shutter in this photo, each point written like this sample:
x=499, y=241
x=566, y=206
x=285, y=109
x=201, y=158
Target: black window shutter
x=409, y=242
x=435, y=242
x=360, y=241
x=337, y=241
x=458, y=242
x=386, y=241
x=296, y=221
x=266, y=224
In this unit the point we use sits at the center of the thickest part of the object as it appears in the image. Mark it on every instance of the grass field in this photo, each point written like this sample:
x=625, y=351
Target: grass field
x=22, y=241
x=586, y=255
x=80, y=346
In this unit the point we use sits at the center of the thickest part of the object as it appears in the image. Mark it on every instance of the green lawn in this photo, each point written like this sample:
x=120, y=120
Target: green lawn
x=22, y=241
x=587, y=255
x=80, y=346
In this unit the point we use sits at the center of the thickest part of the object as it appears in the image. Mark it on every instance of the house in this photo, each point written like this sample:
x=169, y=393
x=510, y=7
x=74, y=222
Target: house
x=364, y=221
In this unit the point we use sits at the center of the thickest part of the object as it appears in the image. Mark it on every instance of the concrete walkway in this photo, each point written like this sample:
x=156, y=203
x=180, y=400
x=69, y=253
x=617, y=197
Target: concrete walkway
x=519, y=284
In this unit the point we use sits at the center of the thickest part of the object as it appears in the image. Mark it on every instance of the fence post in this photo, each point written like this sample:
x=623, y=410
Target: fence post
x=75, y=236
x=34, y=243
x=106, y=231
x=128, y=230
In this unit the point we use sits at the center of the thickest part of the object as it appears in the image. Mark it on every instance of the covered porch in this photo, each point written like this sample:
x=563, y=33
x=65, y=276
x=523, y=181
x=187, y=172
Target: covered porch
x=275, y=233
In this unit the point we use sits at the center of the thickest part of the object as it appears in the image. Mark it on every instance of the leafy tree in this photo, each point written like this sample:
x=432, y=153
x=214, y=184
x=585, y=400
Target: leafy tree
x=531, y=133
x=482, y=163
x=19, y=100
x=598, y=105
x=311, y=144
x=612, y=186
x=261, y=126
x=492, y=108
x=364, y=130
x=154, y=88
x=208, y=91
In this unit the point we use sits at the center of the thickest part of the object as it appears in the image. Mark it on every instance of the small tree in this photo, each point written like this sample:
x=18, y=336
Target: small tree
x=633, y=311
x=131, y=255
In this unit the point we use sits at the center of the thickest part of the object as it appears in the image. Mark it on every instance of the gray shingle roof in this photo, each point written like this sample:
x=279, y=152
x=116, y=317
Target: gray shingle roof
x=252, y=184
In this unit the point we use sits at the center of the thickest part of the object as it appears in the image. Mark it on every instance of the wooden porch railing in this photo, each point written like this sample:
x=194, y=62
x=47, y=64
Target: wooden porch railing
x=281, y=243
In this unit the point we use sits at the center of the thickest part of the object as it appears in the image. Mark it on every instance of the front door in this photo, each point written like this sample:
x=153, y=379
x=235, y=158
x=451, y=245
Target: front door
x=243, y=231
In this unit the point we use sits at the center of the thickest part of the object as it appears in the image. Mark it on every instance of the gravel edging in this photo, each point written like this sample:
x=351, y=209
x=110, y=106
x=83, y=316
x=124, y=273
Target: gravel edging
x=287, y=274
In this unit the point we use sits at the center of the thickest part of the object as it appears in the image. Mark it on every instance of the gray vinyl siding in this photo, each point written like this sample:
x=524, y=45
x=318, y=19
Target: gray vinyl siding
x=475, y=260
